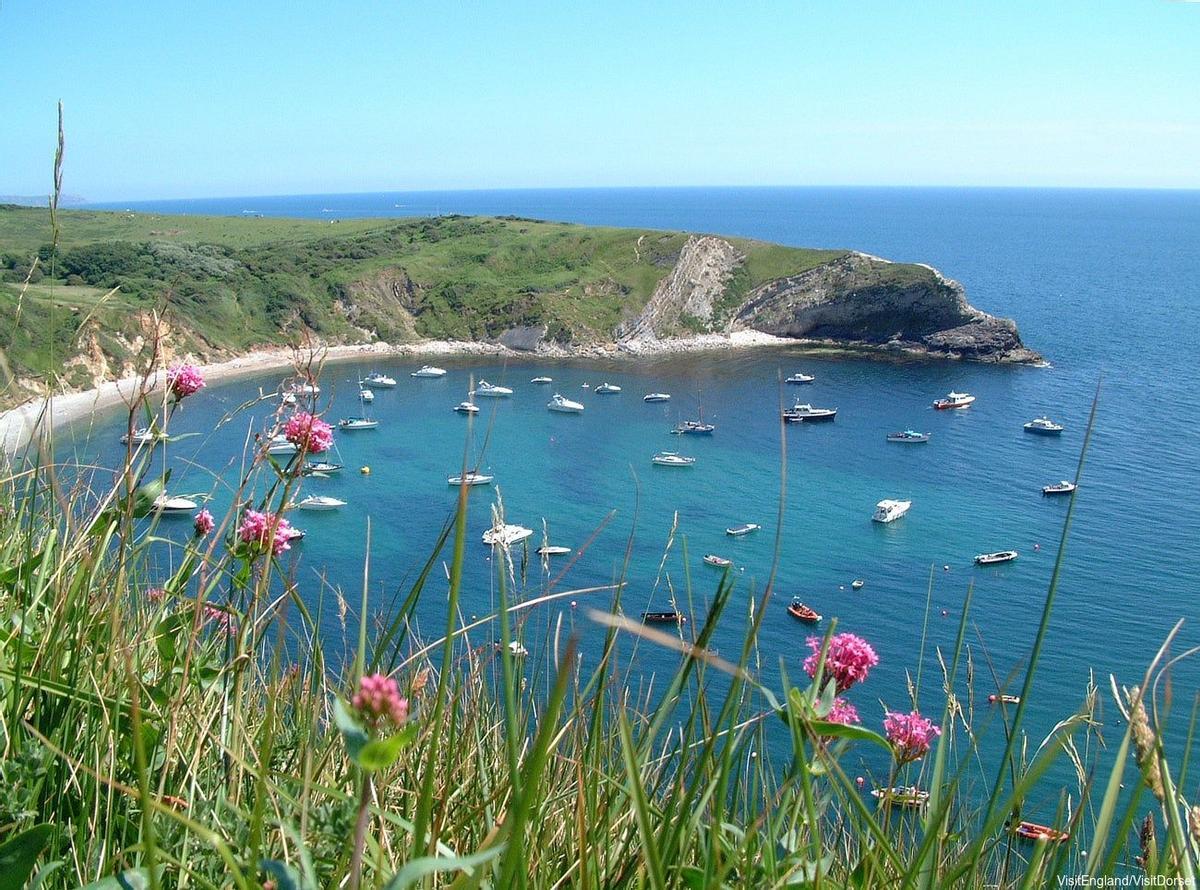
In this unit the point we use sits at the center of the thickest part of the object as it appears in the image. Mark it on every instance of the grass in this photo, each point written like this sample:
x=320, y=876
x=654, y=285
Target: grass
x=203, y=736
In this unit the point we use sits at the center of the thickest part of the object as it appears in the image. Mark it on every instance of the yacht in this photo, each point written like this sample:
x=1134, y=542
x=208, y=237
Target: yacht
x=506, y=535
x=907, y=796
x=800, y=413
x=280, y=445
x=375, y=378
x=542, y=380
x=428, y=371
x=692, y=428
x=322, y=467
x=357, y=423
x=319, y=502
x=470, y=478
x=656, y=397
x=911, y=437
x=165, y=503
x=466, y=408
x=143, y=436
x=719, y=561
x=671, y=459
x=954, y=400
x=1064, y=487
x=491, y=390
x=564, y=405
x=1044, y=426
x=890, y=510
x=553, y=550
x=738, y=530
x=991, y=559
x=366, y=395
x=797, y=609
x=606, y=388
x=799, y=378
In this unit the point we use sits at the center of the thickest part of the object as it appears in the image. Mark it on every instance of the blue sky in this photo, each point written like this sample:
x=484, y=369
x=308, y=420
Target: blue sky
x=223, y=98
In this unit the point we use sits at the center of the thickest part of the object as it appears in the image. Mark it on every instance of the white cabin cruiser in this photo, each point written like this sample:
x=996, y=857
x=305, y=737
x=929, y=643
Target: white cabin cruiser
x=506, y=535
x=365, y=395
x=491, y=390
x=542, y=380
x=803, y=413
x=564, y=405
x=798, y=378
x=991, y=559
x=375, y=378
x=321, y=467
x=656, y=397
x=671, y=459
x=607, y=388
x=280, y=445
x=954, y=400
x=428, y=371
x=167, y=504
x=470, y=478
x=466, y=408
x=553, y=550
x=889, y=510
x=357, y=423
x=1044, y=426
x=1064, y=487
x=319, y=502
x=738, y=530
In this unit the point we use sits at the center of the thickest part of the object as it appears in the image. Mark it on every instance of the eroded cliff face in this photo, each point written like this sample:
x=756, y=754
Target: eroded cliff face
x=853, y=300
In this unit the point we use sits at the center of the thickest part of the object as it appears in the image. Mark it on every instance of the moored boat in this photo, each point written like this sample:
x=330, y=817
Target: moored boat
x=428, y=371
x=889, y=510
x=553, y=550
x=357, y=423
x=143, y=436
x=901, y=795
x=322, y=467
x=991, y=559
x=1063, y=487
x=167, y=504
x=280, y=445
x=802, y=612
x=719, y=561
x=804, y=413
x=1005, y=699
x=857, y=584
x=656, y=397
x=375, y=378
x=506, y=535
x=366, y=395
x=670, y=616
x=466, y=408
x=491, y=390
x=954, y=400
x=744, y=529
x=319, y=502
x=542, y=380
x=692, y=428
x=799, y=378
x=607, y=389
x=563, y=405
x=671, y=459
x=908, y=436
x=1044, y=426
x=1032, y=831
x=470, y=478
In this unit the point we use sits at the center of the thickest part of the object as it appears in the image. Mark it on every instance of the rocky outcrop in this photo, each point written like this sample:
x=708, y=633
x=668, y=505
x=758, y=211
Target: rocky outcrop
x=381, y=305
x=523, y=339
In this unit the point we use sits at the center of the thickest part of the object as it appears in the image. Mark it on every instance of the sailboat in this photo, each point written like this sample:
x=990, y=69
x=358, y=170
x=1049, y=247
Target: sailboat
x=695, y=427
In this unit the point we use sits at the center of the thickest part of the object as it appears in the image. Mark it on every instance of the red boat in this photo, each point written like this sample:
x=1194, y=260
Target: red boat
x=797, y=609
x=1034, y=832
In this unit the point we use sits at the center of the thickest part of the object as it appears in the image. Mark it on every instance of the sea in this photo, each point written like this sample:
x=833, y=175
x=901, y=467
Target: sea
x=1103, y=283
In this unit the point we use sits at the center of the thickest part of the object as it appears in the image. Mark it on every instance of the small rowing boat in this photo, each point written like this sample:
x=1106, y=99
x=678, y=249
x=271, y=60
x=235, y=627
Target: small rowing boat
x=719, y=561
x=1032, y=831
x=991, y=559
x=744, y=529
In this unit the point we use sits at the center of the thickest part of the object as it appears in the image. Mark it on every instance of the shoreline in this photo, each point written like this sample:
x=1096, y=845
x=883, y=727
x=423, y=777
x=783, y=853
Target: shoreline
x=19, y=424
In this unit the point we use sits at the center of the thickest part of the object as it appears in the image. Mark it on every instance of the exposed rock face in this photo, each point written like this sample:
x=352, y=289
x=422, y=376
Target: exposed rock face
x=382, y=304
x=523, y=339
x=683, y=301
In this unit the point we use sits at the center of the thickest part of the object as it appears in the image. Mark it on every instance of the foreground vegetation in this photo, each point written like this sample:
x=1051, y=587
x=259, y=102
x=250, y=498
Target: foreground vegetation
x=198, y=729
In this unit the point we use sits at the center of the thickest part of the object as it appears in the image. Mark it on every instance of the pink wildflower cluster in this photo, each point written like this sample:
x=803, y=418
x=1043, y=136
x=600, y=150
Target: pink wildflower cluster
x=184, y=380
x=847, y=661
x=378, y=701
x=203, y=523
x=156, y=594
x=223, y=621
x=910, y=734
x=842, y=712
x=308, y=433
x=256, y=530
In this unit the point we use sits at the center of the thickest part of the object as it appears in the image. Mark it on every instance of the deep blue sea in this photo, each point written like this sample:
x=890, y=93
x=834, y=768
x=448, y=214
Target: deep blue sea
x=1103, y=283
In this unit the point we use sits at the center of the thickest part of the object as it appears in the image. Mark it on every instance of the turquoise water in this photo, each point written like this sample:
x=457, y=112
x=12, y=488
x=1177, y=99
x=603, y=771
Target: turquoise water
x=1103, y=283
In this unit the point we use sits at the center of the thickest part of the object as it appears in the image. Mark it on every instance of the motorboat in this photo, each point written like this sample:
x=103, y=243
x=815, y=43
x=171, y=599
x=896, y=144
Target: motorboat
x=799, y=378
x=143, y=436
x=656, y=397
x=319, y=502
x=288, y=398
x=553, y=550
x=564, y=405
x=366, y=395
x=857, y=584
x=375, y=378
x=901, y=795
x=515, y=649
x=954, y=400
x=1044, y=426
x=322, y=467
x=607, y=389
x=281, y=445
x=540, y=380
x=168, y=504
x=889, y=510
x=911, y=437
x=719, y=561
x=506, y=535
x=744, y=529
x=491, y=391
x=1064, y=487
x=671, y=616
x=693, y=428
x=466, y=408
x=470, y=478
x=671, y=459
x=991, y=559
x=1032, y=831
x=1004, y=699
x=428, y=371
x=803, y=413
x=306, y=389
x=802, y=612
x=357, y=423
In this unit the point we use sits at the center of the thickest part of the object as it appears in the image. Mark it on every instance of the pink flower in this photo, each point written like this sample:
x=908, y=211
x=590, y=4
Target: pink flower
x=265, y=530
x=156, y=594
x=842, y=712
x=183, y=380
x=378, y=701
x=910, y=734
x=223, y=621
x=308, y=433
x=848, y=660
x=203, y=523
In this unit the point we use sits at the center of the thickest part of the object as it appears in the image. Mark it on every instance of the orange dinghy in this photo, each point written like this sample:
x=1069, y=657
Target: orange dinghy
x=797, y=609
x=1034, y=832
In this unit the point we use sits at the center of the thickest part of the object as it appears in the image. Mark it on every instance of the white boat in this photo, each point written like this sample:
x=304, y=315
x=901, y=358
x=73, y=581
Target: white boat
x=607, y=388
x=902, y=796
x=1044, y=426
x=306, y=389
x=991, y=559
x=890, y=510
x=357, y=423
x=656, y=397
x=857, y=584
x=719, y=561
x=800, y=378
x=366, y=395
x=322, y=467
x=542, y=380
x=165, y=503
x=911, y=437
x=470, y=478
x=553, y=550
x=319, y=502
x=564, y=405
x=738, y=530
x=491, y=390
x=1064, y=487
x=506, y=535
x=280, y=445
x=802, y=413
x=671, y=459
x=143, y=436
x=515, y=649
x=428, y=371
x=954, y=400
x=466, y=408
x=289, y=398
x=692, y=428
x=375, y=378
